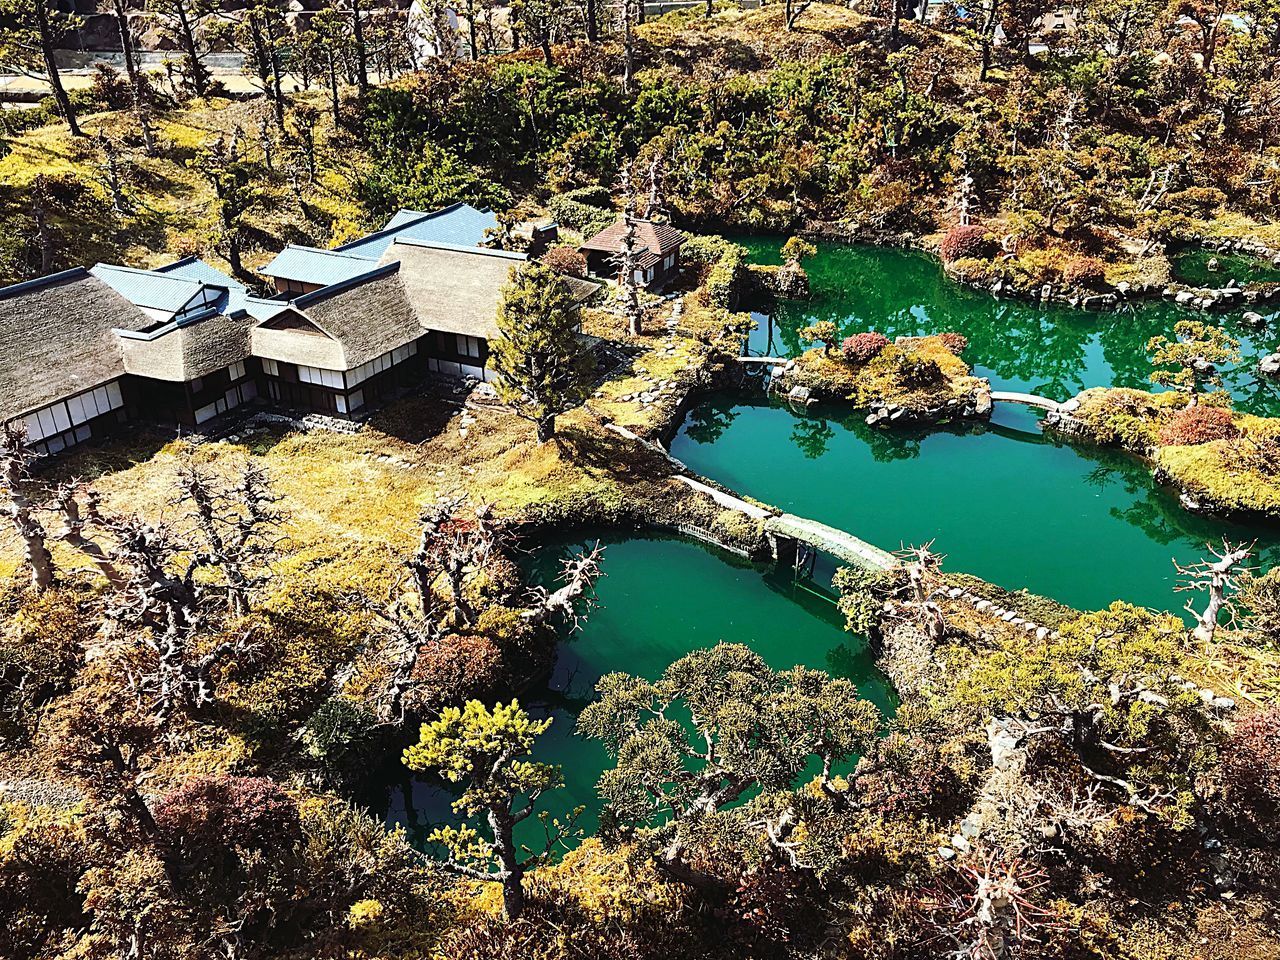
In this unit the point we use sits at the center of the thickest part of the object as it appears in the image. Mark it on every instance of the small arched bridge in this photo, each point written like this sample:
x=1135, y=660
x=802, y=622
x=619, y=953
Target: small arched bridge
x=1026, y=399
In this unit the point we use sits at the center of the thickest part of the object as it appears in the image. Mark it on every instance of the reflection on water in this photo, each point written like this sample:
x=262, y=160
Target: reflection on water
x=660, y=599
x=1003, y=501
x=1051, y=350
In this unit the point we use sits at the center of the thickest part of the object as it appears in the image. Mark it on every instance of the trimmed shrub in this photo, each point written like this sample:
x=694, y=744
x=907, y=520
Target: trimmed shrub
x=965, y=243
x=1087, y=272
x=565, y=260
x=824, y=332
x=583, y=217
x=1195, y=425
x=596, y=196
x=863, y=347
x=210, y=815
x=957, y=343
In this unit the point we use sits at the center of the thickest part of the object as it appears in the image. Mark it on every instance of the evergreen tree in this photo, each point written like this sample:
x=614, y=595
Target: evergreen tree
x=542, y=369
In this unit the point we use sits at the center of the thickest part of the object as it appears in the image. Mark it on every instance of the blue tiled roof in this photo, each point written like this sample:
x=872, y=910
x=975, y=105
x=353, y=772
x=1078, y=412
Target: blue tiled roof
x=193, y=268
x=313, y=265
x=460, y=224
x=148, y=288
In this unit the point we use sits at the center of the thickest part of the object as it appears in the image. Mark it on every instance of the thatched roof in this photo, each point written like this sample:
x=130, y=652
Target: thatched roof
x=458, y=289
x=56, y=339
x=653, y=241
x=343, y=325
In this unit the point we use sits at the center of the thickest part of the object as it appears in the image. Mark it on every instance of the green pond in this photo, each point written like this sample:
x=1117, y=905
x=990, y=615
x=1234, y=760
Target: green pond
x=1002, y=501
x=659, y=599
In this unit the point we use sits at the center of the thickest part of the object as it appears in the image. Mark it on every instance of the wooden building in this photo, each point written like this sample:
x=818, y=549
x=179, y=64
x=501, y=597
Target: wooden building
x=657, y=252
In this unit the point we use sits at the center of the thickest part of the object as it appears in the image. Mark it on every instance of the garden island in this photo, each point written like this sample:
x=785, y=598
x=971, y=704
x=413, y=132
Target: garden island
x=639, y=480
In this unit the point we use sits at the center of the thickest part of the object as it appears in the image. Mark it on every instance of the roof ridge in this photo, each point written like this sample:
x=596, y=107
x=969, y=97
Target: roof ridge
x=332, y=251
x=37, y=282
x=458, y=248
x=182, y=262
x=383, y=231
x=140, y=271
x=316, y=296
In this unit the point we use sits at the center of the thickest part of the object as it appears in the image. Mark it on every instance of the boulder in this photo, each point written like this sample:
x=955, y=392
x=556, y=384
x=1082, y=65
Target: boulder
x=1253, y=319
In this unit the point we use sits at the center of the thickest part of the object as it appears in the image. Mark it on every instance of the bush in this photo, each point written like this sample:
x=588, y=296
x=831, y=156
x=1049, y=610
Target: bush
x=1249, y=774
x=797, y=249
x=210, y=815
x=863, y=347
x=824, y=332
x=1195, y=425
x=583, y=217
x=1260, y=598
x=957, y=343
x=1087, y=272
x=565, y=260
x=915, y=373
x=338, y=734
x=596, y=196
x=965, y=243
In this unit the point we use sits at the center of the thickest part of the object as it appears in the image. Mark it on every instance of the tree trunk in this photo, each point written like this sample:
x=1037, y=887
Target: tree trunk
x=126, y=42
x=44, y=235
x=362, y=51
x=195, y=68
x=60, y=97
x=593, y=30
x=895, y=22
x=276, y=71
x=504, y=847
x=546, y=429
x=333, y=86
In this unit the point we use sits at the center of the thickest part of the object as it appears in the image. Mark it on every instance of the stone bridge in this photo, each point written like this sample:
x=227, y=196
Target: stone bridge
x=1026, y=399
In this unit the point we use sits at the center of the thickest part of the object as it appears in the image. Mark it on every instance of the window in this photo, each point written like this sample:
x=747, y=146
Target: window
x=236, y=370
x=468, y=346
x=271, y=368
x=320, y=377
x=197, y=384
x=357, y=399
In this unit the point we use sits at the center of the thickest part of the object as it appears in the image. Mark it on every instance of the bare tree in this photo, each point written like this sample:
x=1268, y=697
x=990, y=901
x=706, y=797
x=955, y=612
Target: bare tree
x=1216, y=577
x=16, y=458
x=923, y=568
x=626, y=259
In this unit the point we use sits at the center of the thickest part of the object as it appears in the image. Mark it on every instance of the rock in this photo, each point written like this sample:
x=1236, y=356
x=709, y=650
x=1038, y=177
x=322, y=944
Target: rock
x=1008, y=616
x=982, y=605
x=955, y=593
x=1207, y=695
x=946, y=853
x=1069, y=406
x=1042, y=633
x=982, y=402
x=969, y=827
x=1270, y=365
x=961, y=843
x=1223, y=703
x=1253, y=319
x=1213, y=265
x=1184, y=297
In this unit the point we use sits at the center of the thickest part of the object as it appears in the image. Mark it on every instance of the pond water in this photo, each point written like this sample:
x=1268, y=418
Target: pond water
x=659, y=600
x=1005, y=502
x=1001, y=501
x=1052, y=350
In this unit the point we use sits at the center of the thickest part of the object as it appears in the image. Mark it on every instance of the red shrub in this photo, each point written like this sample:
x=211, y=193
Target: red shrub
x=1249, y=772
x=209, y=815
x=1195, y=425
x=1084, y=272
x=862, y=347
x=963, y=243
x=957, y=343
x=565, y=260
